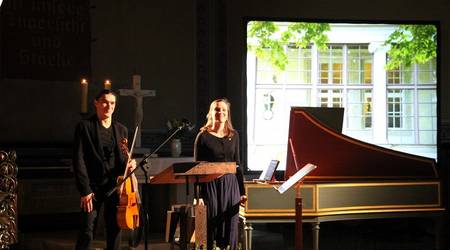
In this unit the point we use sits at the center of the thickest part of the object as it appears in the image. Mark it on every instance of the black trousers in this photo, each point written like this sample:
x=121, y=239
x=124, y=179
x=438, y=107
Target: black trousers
x=89, y=222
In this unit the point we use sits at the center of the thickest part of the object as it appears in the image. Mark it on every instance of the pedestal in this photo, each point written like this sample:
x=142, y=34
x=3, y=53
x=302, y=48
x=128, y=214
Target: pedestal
x=298, y=224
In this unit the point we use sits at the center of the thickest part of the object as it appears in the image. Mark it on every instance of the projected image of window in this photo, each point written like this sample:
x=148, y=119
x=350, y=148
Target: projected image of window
x=389, y=98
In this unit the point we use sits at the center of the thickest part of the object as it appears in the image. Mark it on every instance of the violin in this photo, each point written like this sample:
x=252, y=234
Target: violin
x=128, y=210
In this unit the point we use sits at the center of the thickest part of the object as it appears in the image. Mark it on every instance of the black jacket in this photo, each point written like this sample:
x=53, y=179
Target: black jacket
x=91, y=171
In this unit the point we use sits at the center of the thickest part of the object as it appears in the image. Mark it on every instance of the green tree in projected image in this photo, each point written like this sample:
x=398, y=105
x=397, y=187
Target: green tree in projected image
x=408, y=44
x=269, y=43
x=411, y=44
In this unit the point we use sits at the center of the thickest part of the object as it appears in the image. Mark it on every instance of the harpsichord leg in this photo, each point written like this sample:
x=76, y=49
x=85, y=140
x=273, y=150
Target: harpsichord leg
x=248, y=230
x=315, y=226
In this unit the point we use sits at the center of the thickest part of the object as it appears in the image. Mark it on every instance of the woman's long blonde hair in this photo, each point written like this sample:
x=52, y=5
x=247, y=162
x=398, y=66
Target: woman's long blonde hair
x=229, y=130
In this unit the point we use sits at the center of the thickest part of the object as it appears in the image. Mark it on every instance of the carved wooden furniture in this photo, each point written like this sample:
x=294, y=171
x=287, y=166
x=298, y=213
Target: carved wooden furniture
x=8, y=199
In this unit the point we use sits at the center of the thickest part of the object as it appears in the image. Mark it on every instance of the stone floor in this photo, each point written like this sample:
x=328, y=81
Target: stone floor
x=393, y=234
x=65, y=240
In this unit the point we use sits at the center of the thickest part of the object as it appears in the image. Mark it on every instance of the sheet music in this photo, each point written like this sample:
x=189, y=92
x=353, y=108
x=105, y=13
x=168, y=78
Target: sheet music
x=296, y=177
x=268, y=172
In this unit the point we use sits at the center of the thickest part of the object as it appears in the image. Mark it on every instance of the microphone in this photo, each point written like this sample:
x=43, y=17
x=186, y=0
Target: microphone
x=187, y=125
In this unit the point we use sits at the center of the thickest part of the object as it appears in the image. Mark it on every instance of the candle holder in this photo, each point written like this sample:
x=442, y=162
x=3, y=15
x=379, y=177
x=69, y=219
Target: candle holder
x=84, y=96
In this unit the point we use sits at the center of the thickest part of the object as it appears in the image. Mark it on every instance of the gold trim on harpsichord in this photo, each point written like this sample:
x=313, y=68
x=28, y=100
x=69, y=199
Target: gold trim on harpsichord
x=377, y=208
x=364, y=144
x=435, y=185
x=390, y=183
x=270, y=186
x=291, y=215
x=286, y=215
x=316, y=189
x=384, y=210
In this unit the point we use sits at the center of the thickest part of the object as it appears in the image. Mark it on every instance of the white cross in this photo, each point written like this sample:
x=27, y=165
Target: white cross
x=138, y=95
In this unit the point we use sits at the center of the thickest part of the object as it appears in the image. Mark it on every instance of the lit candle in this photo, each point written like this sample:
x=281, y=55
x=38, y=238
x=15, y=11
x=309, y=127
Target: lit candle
x=107, y=84
x=84, y=95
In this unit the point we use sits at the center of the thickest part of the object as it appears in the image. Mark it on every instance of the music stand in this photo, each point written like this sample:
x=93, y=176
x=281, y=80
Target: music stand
x=193, y=172
x=296, y=180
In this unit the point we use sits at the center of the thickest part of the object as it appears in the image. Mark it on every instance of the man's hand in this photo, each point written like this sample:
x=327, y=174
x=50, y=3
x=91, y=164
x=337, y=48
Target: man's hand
x=86, y=202
x=131, y=165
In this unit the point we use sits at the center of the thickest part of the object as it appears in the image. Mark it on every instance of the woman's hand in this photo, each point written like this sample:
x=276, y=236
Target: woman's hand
x=200, y=202
x=86, y=202
x=243, y=199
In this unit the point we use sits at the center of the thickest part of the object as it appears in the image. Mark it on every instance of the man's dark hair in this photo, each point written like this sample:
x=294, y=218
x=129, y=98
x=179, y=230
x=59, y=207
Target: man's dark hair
x=104, y=92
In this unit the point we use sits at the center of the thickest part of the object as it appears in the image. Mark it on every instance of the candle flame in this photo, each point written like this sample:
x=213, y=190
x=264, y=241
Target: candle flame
x=107, y=84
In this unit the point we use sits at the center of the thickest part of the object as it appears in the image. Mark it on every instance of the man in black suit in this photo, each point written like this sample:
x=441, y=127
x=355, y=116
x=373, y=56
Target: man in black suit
x=97, y=162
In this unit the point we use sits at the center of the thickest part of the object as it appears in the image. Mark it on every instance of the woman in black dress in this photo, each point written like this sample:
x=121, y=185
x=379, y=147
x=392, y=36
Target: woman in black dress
x=217, y=141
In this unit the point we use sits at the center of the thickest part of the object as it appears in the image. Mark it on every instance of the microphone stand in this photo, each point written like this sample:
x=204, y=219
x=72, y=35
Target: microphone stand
x=141, y=165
